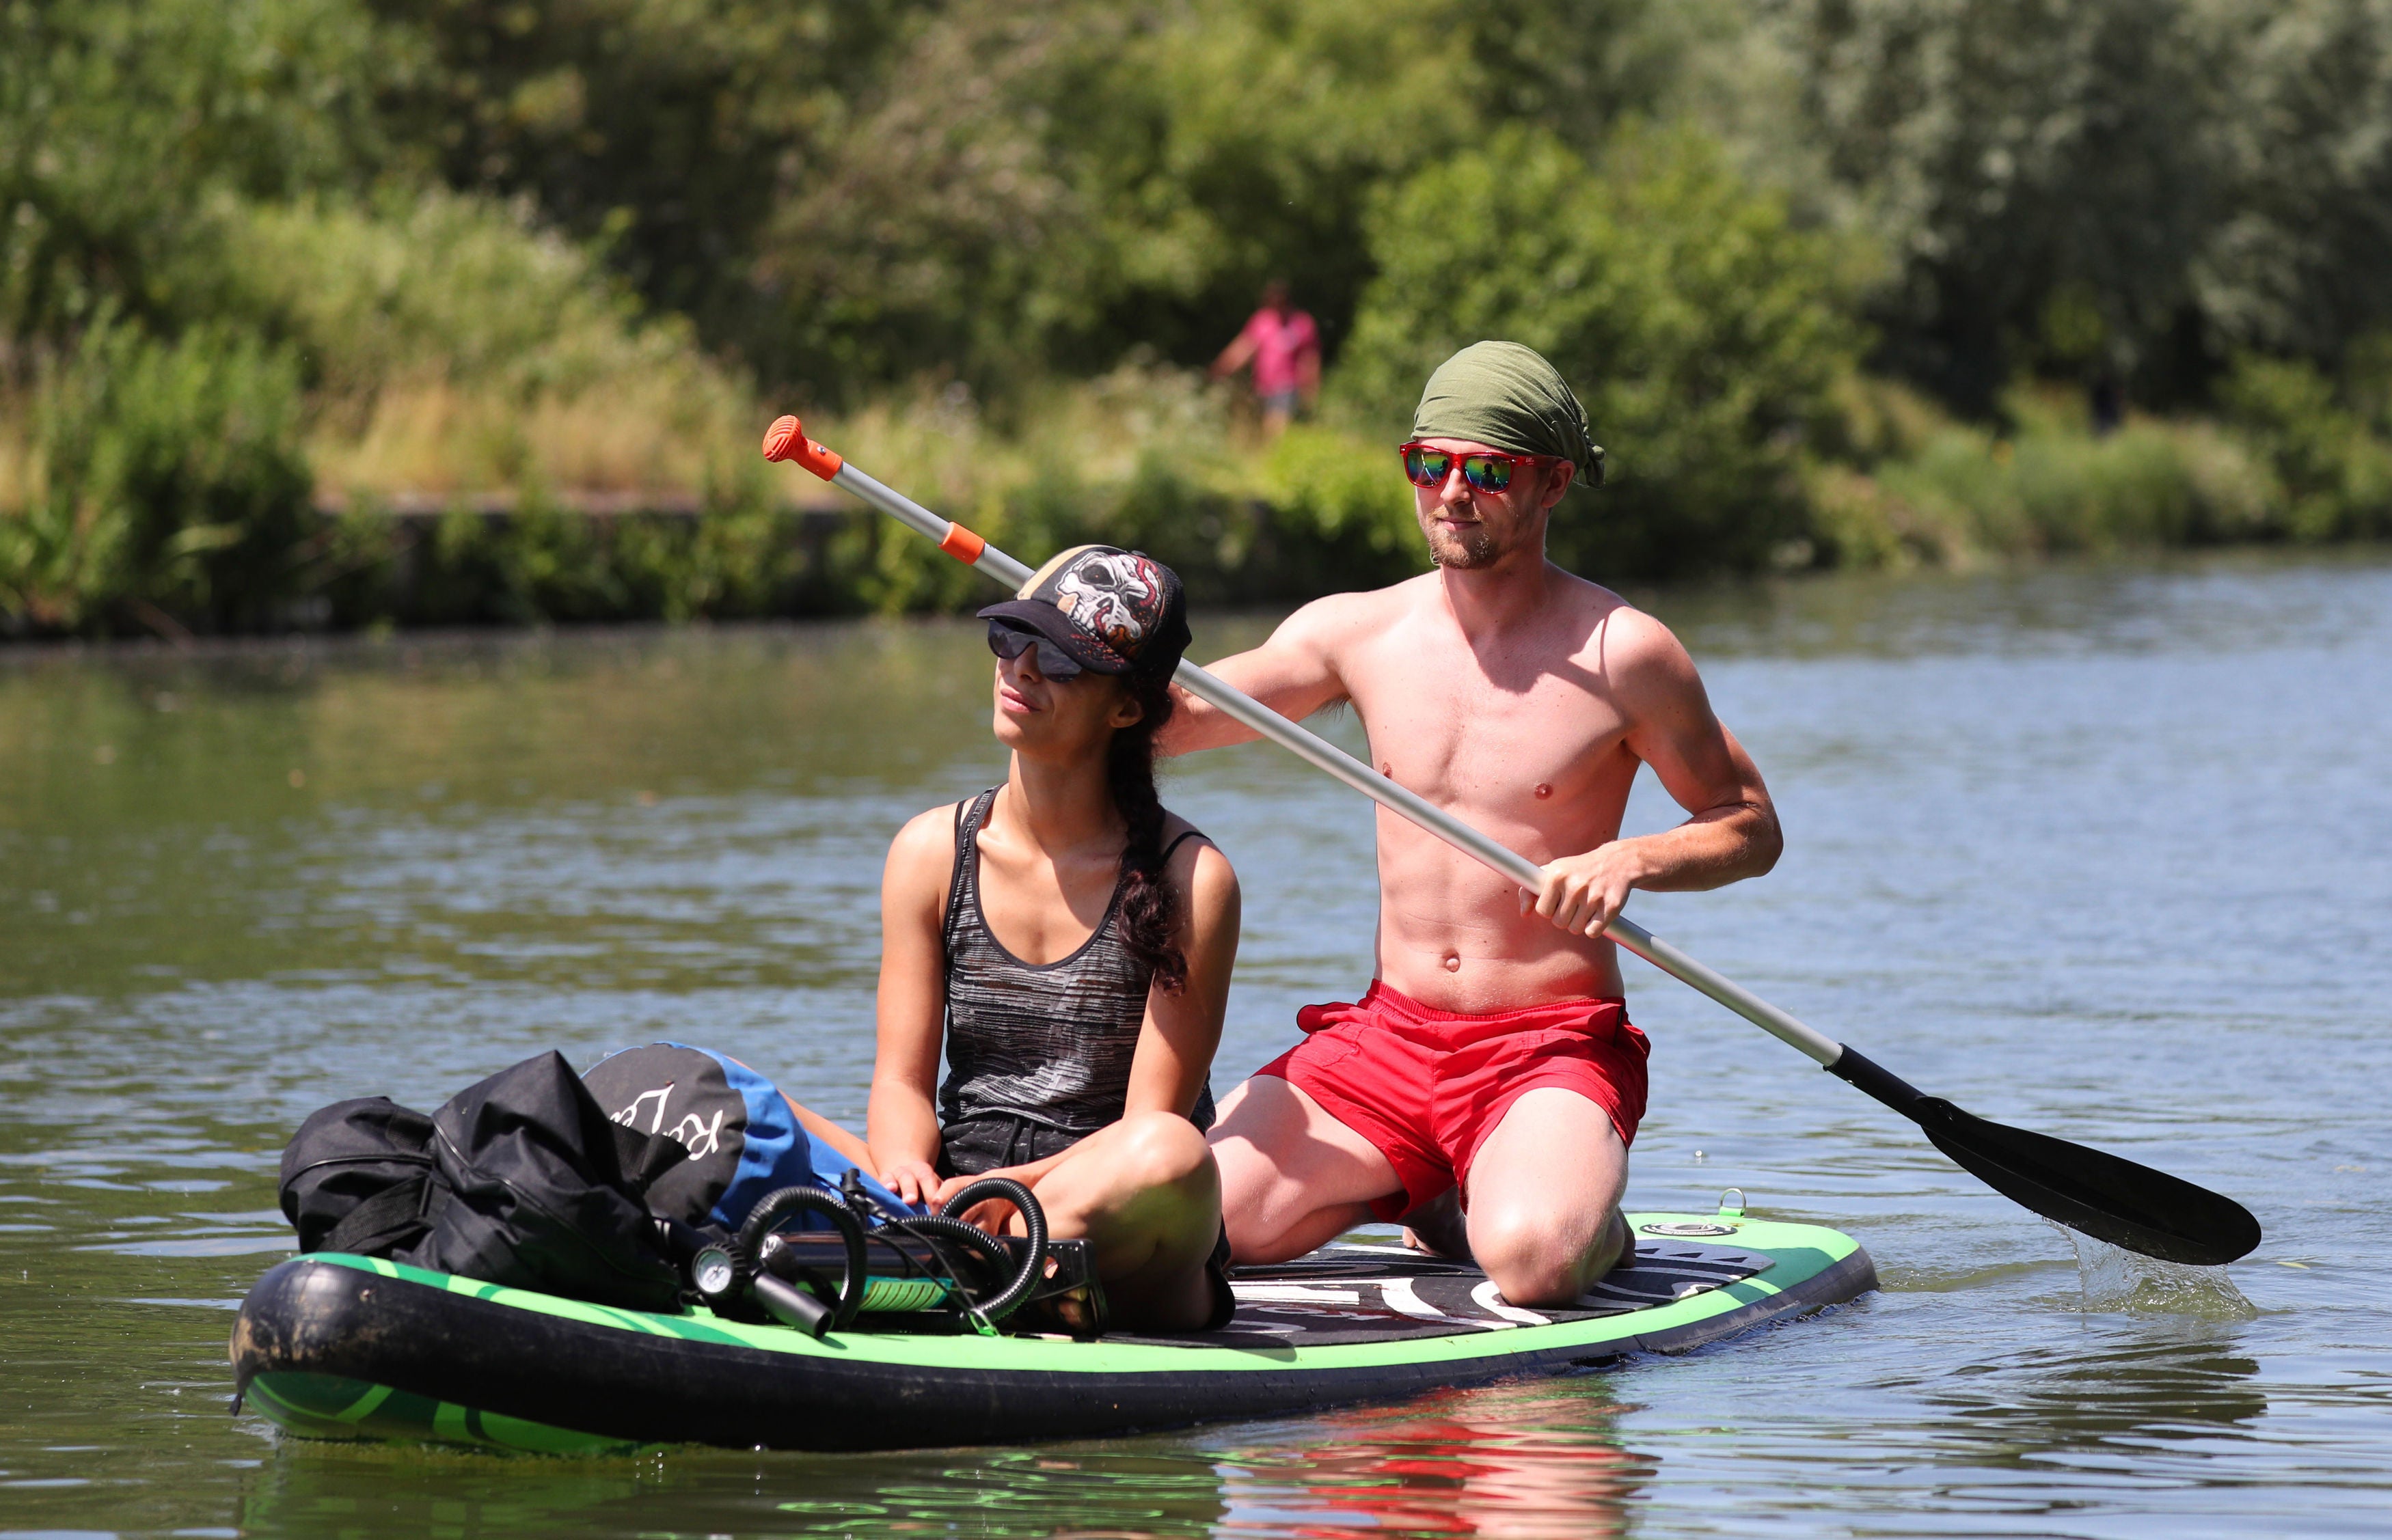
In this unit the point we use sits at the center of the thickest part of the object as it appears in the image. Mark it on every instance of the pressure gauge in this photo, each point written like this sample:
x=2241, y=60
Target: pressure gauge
x=713, y=1270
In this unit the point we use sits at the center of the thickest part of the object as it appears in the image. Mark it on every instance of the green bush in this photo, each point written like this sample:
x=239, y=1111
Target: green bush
x=1701, y=328
x=740, y=557
x=1951, y=491
x=129, y=127
x=2336, y=466
x=454, y=344
x=175, y=494
x=1338, y=486
x=431, y=283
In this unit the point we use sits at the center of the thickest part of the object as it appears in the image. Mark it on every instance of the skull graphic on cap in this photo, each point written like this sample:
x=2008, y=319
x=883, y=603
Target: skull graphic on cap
x=1116, y=595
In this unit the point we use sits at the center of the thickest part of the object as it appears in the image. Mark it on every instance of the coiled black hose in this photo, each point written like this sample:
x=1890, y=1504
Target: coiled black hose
x=1033, y=1217
x=780, y=1205
x=986, y=1248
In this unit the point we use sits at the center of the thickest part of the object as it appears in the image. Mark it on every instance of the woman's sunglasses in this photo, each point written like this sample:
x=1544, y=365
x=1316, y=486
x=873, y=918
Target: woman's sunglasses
x=1482, y=470
x=1055, y=665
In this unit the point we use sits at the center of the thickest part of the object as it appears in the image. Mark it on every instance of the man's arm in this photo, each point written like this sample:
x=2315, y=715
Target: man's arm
x=1295, y=673
x=1233, y=357
x=1733, y=833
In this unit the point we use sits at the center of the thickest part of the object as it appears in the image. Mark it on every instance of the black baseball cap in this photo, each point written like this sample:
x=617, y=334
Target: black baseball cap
x=1113, y=611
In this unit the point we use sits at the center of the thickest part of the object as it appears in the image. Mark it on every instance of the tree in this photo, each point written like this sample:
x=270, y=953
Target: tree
x=2139, y=187
x=1700, y=328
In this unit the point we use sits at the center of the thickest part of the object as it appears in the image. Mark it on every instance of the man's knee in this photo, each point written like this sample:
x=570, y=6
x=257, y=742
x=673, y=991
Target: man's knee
x=1539, y=1258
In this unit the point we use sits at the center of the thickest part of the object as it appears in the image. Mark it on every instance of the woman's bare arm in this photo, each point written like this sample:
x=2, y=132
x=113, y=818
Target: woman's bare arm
x=901, y=1122
x=1175, y=1047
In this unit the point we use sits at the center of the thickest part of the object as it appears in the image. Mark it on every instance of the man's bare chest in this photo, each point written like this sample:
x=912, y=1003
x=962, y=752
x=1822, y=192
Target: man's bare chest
x=1458, y=734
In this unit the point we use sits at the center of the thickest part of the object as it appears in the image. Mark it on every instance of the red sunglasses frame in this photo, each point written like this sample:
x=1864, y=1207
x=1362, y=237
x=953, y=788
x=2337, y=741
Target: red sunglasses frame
x=1404, y=452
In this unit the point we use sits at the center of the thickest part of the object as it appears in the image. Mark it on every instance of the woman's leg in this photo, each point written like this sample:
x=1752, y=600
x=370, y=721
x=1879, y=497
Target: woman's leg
x=1144, y=1194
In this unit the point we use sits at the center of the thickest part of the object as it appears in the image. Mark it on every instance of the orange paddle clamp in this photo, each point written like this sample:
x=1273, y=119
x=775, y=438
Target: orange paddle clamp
x=787, y=440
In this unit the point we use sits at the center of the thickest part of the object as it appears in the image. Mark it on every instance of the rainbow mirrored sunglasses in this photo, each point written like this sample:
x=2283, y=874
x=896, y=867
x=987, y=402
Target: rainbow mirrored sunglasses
x=1055, y=665
x=1482, y=470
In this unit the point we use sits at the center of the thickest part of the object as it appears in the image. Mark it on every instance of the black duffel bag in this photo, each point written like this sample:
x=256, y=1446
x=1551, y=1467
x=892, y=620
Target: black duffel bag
x=520, y=1179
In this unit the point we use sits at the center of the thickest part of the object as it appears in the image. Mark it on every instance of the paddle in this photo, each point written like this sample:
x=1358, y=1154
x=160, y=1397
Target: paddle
x=2107, y=1198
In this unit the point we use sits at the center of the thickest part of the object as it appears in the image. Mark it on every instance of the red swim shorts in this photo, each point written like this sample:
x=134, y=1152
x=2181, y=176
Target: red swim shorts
x=1427, y=1087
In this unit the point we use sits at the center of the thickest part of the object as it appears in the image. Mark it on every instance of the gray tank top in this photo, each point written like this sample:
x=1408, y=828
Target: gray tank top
x=1051, y=1043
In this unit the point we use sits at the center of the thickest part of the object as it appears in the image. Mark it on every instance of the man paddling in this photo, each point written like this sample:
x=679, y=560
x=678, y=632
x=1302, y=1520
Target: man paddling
x=1487, y=1087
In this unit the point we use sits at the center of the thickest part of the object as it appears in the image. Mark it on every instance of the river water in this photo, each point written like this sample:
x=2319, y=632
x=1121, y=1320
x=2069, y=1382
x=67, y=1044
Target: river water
x=2105, y=852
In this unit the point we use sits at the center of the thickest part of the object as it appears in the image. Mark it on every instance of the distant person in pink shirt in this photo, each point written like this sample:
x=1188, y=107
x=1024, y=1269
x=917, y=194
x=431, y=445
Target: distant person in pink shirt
x=1284, y=347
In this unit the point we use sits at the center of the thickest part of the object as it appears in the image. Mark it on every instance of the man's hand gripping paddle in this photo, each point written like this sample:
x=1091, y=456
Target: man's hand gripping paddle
x=2107, y=1198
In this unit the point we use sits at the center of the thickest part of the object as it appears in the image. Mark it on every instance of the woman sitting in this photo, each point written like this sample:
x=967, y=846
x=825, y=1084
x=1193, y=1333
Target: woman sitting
x=1068, y=942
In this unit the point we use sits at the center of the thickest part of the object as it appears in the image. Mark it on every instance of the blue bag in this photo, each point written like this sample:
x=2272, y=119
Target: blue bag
x=743, y=1140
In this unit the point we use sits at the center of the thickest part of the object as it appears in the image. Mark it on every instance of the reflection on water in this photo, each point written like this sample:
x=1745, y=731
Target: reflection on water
x=1517, y=1462
x=2093, y=851
x=2068, y=1400
x=1532, y=1462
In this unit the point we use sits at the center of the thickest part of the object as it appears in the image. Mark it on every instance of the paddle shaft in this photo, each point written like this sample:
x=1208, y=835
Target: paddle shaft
x=969, y=548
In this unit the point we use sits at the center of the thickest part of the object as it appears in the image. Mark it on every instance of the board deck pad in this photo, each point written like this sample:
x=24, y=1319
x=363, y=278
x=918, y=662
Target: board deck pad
x=1361, y=1293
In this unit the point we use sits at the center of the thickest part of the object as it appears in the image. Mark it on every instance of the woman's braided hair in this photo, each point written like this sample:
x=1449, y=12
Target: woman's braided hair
x=1149, y=914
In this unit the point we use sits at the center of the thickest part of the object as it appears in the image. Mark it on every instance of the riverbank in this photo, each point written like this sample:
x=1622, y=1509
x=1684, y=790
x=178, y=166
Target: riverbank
x=320, y=314
x=404, y=515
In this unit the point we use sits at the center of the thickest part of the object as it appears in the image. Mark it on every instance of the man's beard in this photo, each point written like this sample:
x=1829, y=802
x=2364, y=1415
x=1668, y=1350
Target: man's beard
x=1463, y=549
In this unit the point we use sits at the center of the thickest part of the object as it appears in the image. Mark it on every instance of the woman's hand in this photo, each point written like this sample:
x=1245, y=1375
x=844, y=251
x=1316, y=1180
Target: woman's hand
x=915, y=1181
x=994, y=1215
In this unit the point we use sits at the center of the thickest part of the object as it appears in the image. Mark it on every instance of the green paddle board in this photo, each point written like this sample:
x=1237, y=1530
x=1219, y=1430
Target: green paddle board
x=339, y=1346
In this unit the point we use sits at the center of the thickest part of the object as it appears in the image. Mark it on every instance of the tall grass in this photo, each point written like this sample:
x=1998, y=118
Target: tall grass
x=455, y=346
x=1931, y=489
x=170, y=484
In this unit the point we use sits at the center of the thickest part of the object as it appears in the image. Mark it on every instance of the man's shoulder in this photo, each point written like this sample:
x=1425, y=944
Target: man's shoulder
x=1628, y=646
x=1600, y=607
x=1362, y=613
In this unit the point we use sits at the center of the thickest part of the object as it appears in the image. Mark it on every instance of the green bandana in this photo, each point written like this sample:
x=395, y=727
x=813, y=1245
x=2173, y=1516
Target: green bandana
x=1506, y=396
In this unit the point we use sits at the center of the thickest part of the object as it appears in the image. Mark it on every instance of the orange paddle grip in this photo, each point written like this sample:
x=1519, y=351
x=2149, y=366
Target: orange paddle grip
x=786, y=439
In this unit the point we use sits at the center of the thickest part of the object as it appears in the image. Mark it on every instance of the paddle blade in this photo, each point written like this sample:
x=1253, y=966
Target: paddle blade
x=2105, y=1196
